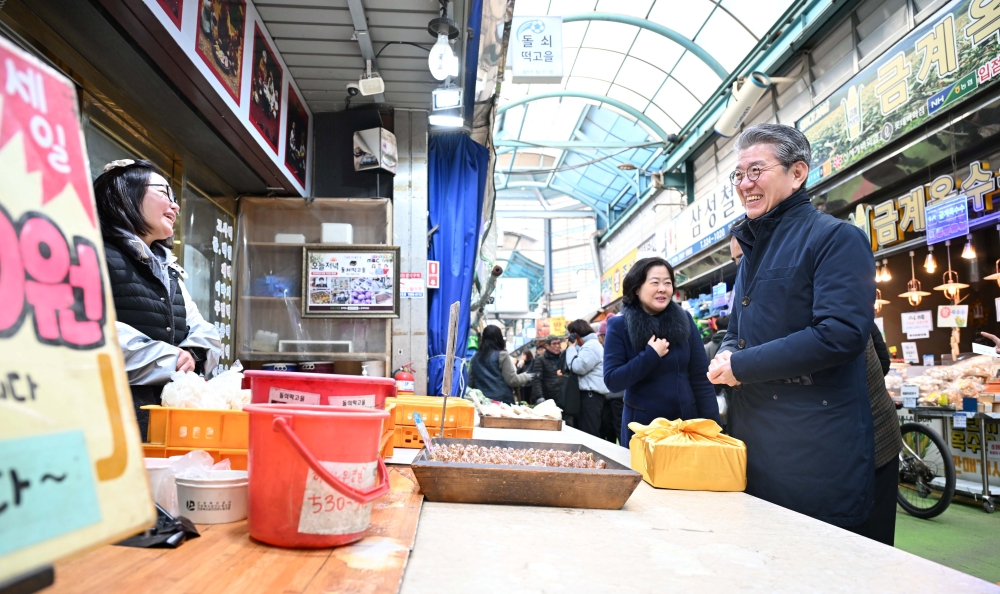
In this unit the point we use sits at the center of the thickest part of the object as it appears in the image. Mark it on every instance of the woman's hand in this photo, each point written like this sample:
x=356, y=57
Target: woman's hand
x=661, y=346
x=185, y=362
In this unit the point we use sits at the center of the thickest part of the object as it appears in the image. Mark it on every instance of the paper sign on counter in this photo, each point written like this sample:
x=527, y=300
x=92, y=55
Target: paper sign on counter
x=910, y=394
x=928, y=360
x=960, y=420
x=910, y=354
x=917, y=335
x=982, y=349
x=46, y=489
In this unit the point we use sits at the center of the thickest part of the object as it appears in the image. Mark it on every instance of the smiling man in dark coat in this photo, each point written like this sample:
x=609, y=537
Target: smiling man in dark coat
x=795, y=349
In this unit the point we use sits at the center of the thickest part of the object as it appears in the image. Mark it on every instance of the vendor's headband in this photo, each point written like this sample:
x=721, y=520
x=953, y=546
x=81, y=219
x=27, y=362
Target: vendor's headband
x=118, y=163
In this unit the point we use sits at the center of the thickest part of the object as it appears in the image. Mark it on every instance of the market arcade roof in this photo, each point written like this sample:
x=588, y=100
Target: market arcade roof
x=635, y=72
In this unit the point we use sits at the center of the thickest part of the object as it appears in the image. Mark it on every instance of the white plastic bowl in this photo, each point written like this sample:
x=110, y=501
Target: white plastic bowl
x=218, y=499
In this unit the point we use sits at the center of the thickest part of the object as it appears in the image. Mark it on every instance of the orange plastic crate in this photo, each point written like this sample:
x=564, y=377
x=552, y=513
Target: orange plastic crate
x=409, y=437
x=198, y=429
x=237, y=457
x=388, y=431
x=461, y=413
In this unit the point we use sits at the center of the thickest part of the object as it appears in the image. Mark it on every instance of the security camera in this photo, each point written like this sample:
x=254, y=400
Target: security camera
x=742, y=101
x=353, y=89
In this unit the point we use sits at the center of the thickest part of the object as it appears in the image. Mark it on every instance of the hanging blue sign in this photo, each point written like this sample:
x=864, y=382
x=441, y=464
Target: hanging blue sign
x=947, y=219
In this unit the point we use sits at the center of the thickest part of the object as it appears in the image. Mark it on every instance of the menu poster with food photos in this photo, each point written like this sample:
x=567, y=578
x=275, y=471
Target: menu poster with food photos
x=350, y=281
x=228, y=43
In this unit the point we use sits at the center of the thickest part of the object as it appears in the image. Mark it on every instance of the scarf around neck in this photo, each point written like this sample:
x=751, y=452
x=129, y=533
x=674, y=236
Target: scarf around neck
x=673, y=324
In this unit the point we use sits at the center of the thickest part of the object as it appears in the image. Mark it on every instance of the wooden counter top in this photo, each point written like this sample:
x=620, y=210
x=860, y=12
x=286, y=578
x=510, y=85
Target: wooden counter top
x=225, y=559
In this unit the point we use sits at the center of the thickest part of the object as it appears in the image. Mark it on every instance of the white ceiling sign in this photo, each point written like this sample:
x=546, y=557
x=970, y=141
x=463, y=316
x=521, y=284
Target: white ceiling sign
x=536, y=49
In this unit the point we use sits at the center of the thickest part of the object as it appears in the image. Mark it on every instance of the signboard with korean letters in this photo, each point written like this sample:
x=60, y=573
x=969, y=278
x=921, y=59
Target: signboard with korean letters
x=536, y=49
x=946, y=207
x=945, y=60
x=703, y=223
x=71, y=471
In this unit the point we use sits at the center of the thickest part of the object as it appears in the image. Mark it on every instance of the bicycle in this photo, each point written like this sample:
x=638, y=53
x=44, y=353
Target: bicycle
x=926, y=469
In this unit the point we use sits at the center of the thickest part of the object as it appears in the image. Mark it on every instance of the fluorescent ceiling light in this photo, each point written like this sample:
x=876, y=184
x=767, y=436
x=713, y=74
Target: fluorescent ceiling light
x=446, y=97
x=446, y=121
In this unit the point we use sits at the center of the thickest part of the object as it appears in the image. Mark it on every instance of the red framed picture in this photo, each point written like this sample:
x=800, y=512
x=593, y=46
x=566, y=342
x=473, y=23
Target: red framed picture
x=296, y=137
x=219, y=41
x=265, y=90
x=174, y=10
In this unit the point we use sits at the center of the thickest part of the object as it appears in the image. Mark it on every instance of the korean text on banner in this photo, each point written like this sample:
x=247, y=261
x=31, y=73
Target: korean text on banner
x=72, y=461
x=703, y=223
x=948, y=58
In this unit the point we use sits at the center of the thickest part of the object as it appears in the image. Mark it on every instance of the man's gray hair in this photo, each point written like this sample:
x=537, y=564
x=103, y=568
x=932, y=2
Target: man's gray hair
x=790, y=145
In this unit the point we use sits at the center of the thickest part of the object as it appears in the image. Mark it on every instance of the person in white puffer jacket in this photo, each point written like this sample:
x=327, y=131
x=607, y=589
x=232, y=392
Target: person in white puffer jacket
x=585, y=358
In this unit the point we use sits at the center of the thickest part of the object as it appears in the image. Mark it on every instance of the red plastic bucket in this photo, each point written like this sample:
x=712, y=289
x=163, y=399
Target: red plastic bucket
x=314, y=471
x=282, y=387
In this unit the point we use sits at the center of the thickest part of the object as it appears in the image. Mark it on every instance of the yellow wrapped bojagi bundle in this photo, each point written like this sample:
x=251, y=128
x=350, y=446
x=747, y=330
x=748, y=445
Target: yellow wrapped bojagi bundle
x=690, y=455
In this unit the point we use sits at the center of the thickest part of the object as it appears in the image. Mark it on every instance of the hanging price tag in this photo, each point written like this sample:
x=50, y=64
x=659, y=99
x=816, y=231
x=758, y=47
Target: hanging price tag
x=960, y=420
x=909, y=393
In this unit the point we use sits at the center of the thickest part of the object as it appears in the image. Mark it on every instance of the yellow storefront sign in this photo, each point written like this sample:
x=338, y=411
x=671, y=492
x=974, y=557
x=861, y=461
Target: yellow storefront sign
x=611, y=280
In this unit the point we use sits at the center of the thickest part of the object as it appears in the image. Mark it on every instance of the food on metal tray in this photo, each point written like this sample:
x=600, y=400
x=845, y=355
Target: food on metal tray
x=473, y=454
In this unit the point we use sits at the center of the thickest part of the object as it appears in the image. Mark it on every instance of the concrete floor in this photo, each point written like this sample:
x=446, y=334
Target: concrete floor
x=964, y=538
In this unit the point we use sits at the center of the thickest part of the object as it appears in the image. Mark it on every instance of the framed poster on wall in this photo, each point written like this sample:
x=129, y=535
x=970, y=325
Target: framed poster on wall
x=351, y=281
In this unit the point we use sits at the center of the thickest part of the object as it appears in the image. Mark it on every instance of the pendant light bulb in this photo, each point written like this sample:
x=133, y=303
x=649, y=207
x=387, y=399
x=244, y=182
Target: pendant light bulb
x=442, y=61
x=969, y=252
x=930, y=265
x=885, y=270
x=878, y=272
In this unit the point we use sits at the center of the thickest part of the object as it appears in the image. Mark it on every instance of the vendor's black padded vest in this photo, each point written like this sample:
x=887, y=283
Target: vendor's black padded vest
x=142, y=301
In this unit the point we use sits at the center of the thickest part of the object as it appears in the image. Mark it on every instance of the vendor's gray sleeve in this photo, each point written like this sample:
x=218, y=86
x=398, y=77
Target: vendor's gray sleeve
x=148, y=362
x=201, y=334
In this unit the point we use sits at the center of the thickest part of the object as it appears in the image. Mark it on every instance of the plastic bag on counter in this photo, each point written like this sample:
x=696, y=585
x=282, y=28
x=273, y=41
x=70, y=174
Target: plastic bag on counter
x=691, y=455
x=223, y=392
x=197, y=464
x=228, y=386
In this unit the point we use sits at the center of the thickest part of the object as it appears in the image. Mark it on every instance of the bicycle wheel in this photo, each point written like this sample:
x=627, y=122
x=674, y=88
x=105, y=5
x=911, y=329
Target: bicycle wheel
x=924, y=458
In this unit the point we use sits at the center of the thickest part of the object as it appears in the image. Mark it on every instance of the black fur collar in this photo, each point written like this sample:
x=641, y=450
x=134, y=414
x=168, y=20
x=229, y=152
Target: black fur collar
x=673, y=323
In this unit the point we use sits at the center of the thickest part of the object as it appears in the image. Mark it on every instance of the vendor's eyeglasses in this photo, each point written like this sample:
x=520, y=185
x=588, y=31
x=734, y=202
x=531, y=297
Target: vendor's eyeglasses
x=752, y=173
x=165, y=190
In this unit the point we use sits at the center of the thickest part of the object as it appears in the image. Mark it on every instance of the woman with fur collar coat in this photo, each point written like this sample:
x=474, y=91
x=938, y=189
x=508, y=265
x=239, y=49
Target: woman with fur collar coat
x=653, y=352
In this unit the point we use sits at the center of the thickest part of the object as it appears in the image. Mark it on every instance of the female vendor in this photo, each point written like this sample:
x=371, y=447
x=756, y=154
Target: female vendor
x=159, y=328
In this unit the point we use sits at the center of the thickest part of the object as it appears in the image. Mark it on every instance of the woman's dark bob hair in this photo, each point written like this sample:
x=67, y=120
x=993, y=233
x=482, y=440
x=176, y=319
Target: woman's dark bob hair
x=637, y=276
x=491, y=340
x=580, y=327
x=119, y=193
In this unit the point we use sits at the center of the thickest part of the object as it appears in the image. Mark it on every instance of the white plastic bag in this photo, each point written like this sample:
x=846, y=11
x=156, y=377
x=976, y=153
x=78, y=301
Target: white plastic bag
x=228, y=386
x=197, y=464
x=223, y=392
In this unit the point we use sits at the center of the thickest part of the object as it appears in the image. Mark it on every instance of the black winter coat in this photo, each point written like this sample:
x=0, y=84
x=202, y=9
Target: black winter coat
x=547, y=383
x=801, y=319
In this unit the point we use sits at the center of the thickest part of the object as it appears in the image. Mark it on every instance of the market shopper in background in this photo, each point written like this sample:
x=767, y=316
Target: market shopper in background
x=160, y=330
x=585, y=358
x=881, y=524
x=611, y=414
x=548, y=379
x=525, y=364
x=653, y=352
x=492, y=369
x=795, y=350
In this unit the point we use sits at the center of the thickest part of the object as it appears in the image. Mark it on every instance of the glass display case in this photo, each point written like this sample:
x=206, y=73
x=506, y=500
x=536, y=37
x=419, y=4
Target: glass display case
x=272, y=233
